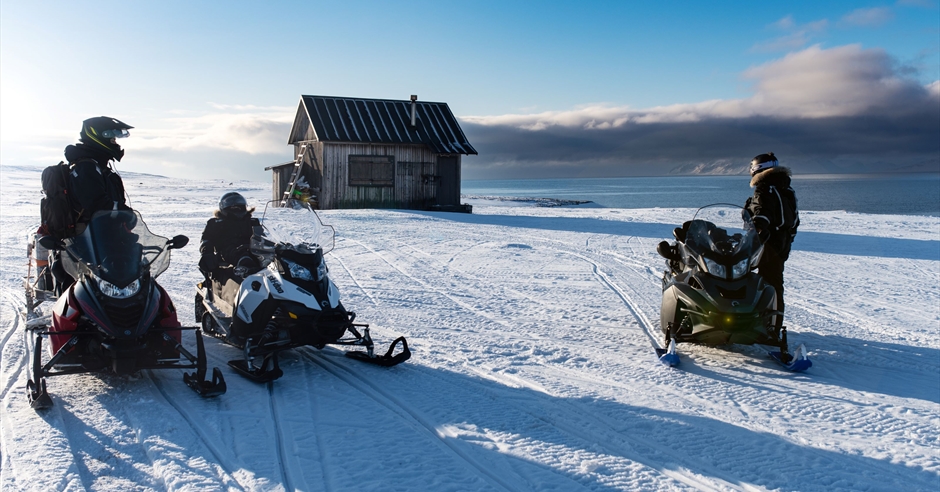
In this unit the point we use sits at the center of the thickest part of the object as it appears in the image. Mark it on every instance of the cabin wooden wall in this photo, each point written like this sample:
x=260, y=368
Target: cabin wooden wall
x=415, y=185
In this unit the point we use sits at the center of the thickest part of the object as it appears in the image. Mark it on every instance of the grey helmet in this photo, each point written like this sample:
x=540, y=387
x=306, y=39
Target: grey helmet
x=233, y=204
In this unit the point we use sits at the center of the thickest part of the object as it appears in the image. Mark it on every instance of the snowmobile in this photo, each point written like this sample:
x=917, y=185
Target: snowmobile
x=287, y=301
x=114, y=317
x=712, y=296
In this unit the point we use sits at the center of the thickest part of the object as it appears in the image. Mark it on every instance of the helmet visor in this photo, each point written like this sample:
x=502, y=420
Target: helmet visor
x=238, y=211
x=115, y=133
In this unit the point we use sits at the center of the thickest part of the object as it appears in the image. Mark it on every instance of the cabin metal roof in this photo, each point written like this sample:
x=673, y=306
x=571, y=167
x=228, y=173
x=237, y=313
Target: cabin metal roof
x=385, y=121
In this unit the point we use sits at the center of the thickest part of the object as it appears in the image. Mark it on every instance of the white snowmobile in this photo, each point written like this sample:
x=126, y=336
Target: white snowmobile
x=289, y=302
x=114, y=317
x=711, y=295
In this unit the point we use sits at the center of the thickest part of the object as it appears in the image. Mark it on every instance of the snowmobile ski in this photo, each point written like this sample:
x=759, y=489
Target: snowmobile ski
x=668, y=356
x=387, y=360
x=268, y=371
x=798, y=362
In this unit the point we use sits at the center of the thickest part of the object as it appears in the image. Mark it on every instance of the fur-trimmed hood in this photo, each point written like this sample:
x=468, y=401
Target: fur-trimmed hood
x=763, y=175
x=218, y=213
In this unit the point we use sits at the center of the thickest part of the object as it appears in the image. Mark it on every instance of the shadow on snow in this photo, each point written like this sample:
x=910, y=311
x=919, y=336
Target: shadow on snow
x=816, y=242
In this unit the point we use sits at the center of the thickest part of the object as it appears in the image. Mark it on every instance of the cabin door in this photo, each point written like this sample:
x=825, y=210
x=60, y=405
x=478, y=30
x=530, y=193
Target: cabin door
x=448, y=168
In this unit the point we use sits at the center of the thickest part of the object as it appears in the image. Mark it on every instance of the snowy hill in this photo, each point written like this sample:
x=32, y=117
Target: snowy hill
x=532, y=365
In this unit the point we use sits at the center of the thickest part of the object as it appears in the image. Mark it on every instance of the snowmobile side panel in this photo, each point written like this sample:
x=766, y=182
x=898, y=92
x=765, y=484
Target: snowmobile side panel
x=64, y=320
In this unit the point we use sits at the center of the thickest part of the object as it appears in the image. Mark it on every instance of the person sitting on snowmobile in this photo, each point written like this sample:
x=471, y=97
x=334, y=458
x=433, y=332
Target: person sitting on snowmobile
x=92, y=183
x=226, y=239
x=775, y=214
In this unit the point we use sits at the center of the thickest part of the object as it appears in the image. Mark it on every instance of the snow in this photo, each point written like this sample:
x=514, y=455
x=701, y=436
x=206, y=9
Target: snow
x=532, y=369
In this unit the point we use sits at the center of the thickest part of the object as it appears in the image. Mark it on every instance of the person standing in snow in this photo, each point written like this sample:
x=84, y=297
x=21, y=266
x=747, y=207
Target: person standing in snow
x=226, y=238
x=774, y=211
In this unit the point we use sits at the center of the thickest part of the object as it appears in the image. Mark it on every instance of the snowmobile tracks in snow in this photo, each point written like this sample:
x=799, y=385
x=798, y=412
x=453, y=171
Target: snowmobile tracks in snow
x=418, y=421
x=592, y=433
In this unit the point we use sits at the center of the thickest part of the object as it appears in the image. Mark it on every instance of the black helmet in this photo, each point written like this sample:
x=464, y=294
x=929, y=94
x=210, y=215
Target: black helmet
x=762, y=162
x=102, y=132
x=233, y=204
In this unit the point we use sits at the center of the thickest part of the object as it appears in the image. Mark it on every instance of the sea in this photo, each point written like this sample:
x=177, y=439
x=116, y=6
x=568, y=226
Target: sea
x=903, y=194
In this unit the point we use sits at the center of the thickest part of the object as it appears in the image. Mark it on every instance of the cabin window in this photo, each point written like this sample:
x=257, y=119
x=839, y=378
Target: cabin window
x=371, y=170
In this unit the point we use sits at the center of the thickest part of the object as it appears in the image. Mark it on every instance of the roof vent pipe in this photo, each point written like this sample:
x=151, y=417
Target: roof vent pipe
x=413, y=106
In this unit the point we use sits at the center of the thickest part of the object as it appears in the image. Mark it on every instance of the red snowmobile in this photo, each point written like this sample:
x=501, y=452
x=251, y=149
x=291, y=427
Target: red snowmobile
x=115, y=317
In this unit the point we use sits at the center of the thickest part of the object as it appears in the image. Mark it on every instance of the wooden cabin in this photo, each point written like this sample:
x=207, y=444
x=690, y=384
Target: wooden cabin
x=375, y=153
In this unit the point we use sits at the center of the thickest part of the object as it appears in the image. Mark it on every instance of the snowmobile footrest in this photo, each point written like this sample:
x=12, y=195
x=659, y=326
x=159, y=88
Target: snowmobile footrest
x=206, y=389
x=38, y=397
x=388, y=359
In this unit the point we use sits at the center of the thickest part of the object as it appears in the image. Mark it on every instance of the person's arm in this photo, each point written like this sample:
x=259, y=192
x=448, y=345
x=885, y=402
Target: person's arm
x=756, y=206
x=208, y=261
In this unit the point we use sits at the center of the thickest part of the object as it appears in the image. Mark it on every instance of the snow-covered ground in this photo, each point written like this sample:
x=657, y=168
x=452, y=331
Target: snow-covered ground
x=532, y=369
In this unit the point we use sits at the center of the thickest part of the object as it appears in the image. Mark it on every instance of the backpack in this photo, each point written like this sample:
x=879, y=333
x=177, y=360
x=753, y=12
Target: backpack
x=58, y=209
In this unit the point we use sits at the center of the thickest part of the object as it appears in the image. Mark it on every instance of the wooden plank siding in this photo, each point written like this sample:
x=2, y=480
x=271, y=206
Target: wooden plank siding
x=415, y=185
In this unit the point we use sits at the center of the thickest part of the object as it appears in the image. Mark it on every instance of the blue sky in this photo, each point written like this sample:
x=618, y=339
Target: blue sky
x=211, y=87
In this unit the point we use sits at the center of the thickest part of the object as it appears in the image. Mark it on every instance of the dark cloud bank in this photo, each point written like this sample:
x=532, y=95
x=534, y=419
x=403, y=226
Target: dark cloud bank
x=839, y=110
x=856, y=144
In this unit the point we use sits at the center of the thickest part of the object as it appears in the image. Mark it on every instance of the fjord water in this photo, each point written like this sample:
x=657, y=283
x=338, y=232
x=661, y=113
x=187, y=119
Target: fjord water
x=904, y=194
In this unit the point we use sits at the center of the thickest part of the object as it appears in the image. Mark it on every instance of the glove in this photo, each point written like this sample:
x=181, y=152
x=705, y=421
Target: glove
x=245, y=265
x=208, y=262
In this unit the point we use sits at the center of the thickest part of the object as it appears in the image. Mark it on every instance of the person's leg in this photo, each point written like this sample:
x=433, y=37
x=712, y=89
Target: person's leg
x=770, y=269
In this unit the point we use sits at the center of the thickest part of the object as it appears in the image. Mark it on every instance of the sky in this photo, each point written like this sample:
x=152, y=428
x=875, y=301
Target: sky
x=561, y=89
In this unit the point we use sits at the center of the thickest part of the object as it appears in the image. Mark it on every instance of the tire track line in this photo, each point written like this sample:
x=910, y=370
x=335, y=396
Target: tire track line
x=218, y=454
x=431, y=288
x=279, y=442
x=418, y=421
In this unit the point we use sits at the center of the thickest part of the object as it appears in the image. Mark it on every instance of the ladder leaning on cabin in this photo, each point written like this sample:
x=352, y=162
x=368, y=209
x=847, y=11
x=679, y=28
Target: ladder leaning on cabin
x=292, y=184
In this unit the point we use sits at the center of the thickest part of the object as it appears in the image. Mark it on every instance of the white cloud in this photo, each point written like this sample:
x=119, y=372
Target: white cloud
x=247, y=129
x=797, y=36
x=868, y=17
x=812, y=83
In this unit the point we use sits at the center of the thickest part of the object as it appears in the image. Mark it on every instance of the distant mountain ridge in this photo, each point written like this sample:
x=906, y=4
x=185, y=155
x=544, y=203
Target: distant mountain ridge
x=728, y=167
x=719, y=167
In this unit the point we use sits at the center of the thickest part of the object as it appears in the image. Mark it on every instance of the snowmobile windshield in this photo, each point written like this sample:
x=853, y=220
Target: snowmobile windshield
x=293, y=225
x=116, y=246
x=723, y=232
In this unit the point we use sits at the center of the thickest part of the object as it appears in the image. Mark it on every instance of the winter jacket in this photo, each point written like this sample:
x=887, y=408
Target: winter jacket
x=774, y=209
x=227, y=237
x=94, y=186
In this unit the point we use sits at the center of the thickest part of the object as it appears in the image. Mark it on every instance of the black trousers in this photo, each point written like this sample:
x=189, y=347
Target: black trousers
x=770, y=268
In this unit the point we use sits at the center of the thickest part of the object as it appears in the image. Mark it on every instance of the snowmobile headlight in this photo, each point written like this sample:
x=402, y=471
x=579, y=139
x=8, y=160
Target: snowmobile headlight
x=111, y=290
x=298, y=271
x=740, y=269
x=715, y=268
x=321, y=270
